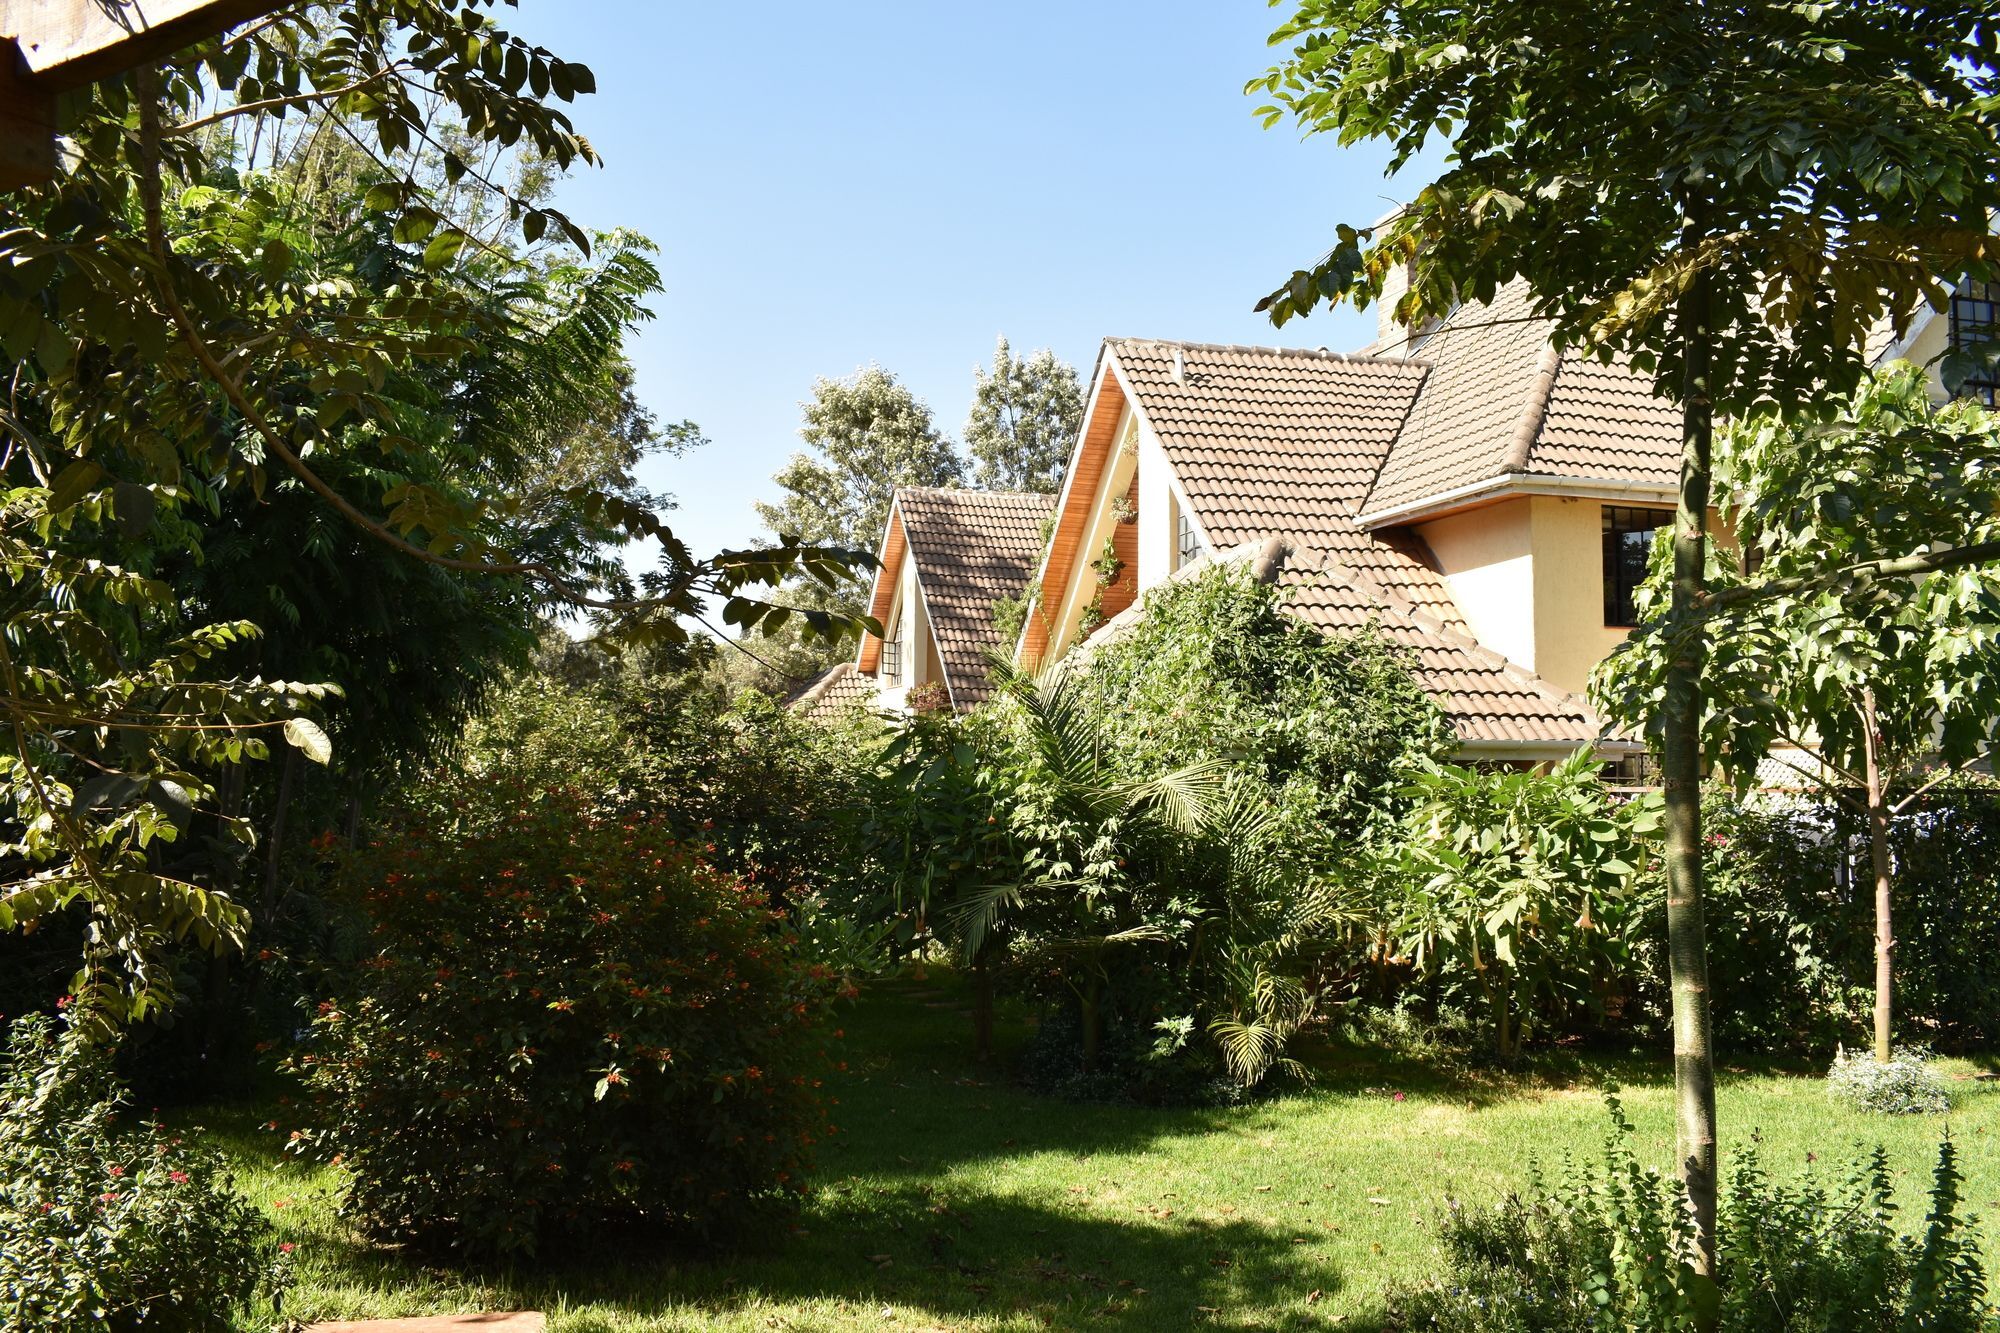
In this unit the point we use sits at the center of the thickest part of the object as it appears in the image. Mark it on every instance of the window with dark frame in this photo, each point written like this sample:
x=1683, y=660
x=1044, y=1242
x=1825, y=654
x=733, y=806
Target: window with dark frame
x=1975, y=319
x=892, y=659
x=1628, y=542
x=1187, y=542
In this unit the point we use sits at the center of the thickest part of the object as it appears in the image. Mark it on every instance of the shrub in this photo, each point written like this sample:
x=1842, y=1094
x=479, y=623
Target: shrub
x=1513, y=890
x=569, y=1022
x=108, y=1229
x=1906, y=1085
x=1598, y=1250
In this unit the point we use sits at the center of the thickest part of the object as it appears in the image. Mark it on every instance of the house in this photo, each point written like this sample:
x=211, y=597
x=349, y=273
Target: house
x=947, y=556
x=1482, y=498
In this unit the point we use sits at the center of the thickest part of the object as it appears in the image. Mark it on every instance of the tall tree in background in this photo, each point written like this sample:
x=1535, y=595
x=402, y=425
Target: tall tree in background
x=1881, y=688
x=870, y=435
x=1732, y=195
x=1025, y=414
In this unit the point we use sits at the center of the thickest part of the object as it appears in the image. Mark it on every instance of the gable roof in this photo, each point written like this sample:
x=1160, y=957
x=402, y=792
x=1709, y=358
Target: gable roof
x=971, y=548
x=1500, y=402
x=1265, y=440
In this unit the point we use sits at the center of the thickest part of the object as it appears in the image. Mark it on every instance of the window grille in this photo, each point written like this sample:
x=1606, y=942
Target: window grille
x=1187, y=542
x=1975, y=319
x=1628, y=542
x=892, y=659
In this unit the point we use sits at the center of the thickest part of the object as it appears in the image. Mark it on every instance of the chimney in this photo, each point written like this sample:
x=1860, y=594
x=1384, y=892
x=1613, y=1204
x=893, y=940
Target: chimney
x=1391, y=336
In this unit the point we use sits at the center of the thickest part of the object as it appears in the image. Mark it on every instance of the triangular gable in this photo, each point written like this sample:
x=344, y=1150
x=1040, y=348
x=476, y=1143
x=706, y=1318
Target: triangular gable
x=888, y=569
x=970, y=549
x=1095, y=442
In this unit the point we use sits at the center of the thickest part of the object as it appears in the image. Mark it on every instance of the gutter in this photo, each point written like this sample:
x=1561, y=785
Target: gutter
x=1518, y=483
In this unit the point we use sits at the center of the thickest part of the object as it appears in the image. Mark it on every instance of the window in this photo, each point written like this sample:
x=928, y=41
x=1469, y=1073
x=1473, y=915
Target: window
x=892, y=660
x=1628, y=540
x=1975, y=319
x=1187, y=542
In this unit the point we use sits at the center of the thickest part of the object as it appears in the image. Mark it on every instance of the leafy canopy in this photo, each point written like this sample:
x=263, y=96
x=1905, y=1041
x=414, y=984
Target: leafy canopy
x=1829, y=165
x=1024, y=419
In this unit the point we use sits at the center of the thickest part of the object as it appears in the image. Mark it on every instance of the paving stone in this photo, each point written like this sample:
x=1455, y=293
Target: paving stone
x=520, y=1321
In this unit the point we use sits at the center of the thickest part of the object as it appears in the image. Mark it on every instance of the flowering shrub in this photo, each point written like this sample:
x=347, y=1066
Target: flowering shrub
x=108, y=1230
x=1906, y=1085
x=568, y=1021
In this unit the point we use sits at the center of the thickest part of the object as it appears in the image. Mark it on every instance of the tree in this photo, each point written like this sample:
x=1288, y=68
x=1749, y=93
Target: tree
x=182, y=340
x=1518, y=882
x=872, y=435
x=1731, y=195
x=1879, y=686
x=1025, y=414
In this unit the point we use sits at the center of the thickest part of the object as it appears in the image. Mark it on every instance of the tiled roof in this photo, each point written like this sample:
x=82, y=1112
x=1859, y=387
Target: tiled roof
x=1500, y=400
x=1490, y=701
x=1265, y=441
x=835, y=691
x=971, y=548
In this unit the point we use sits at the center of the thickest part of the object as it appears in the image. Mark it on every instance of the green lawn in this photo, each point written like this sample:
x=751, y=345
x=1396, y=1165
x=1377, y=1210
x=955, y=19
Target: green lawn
x=953, y=1200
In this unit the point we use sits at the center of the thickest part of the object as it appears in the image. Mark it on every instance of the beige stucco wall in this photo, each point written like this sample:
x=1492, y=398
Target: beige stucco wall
x=1528, y=575
x=1570, y=634
x=1488, y=562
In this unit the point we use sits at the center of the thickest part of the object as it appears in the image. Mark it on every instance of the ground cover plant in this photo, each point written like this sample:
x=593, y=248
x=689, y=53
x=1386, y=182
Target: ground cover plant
x=564, y=1022
x=955, y=1199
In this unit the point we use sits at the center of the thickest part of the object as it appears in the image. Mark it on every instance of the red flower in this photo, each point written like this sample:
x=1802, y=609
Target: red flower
x=181, y=1178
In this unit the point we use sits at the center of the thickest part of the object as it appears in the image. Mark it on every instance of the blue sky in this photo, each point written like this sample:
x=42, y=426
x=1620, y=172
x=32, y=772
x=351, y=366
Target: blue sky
x=834, y=184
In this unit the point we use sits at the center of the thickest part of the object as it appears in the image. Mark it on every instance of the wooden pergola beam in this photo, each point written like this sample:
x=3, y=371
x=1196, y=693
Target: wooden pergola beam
x=48, y=47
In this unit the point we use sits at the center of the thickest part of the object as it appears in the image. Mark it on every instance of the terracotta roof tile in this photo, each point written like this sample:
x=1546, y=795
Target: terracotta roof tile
x=1500, y=401
x=971, y=548
x=833, y=692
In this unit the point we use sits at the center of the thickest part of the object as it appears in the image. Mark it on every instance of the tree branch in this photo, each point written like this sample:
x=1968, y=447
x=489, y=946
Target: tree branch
x=1955, y=557
x=300, y=100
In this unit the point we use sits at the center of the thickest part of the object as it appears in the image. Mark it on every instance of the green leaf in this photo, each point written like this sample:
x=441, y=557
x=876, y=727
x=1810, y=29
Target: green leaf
x=73, y=483
x=443, y=249
x=305, y=735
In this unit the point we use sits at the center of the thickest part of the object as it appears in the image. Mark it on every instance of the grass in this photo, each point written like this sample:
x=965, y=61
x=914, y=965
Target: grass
x=954, y=1200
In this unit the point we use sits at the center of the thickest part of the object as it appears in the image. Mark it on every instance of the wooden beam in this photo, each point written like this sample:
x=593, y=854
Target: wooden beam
x=52, y=46
x=27, y=124
x=65, y=44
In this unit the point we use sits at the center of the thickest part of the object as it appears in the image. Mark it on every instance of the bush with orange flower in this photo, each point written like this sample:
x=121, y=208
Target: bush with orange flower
x=567, y=1022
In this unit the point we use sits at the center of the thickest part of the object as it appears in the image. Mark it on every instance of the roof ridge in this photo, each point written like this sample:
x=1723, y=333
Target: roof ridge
x=1317, y=353
x=1541, y=384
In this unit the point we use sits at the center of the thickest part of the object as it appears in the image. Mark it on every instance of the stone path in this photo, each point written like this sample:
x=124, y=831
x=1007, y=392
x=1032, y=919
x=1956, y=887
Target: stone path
x=521, y=1321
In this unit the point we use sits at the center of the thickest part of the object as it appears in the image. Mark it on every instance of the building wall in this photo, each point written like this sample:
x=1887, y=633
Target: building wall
x=1159, y=513
x=1570, y=634
x=1487, y=556
x=1528, y=575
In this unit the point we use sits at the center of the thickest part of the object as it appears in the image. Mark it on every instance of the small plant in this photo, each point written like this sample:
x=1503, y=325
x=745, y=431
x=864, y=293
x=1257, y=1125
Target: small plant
x=1124, y=510
x=570, y=1023
x=1905, y=1085
x=930, y=697
x=105, y=1228
x=1599, y=1249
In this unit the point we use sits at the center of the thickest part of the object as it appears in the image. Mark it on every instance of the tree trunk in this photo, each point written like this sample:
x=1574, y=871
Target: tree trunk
x=288, y=775
x=1878, y=856
x=1680, y=764
x=1093, y=1023
x=982, y=1009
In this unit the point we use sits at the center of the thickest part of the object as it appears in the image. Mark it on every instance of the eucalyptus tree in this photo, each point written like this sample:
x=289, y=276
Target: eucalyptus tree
x=1024, y=419
x=1733, y=196
x=869, y=434
x=1874, y=690
x=177, y=346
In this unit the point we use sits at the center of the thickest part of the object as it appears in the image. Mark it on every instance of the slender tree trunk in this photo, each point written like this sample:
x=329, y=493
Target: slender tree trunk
x=982, y=1008
x=1680, y=764
x=288, y=776
x=1093, y=1023
x=1878, y=857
